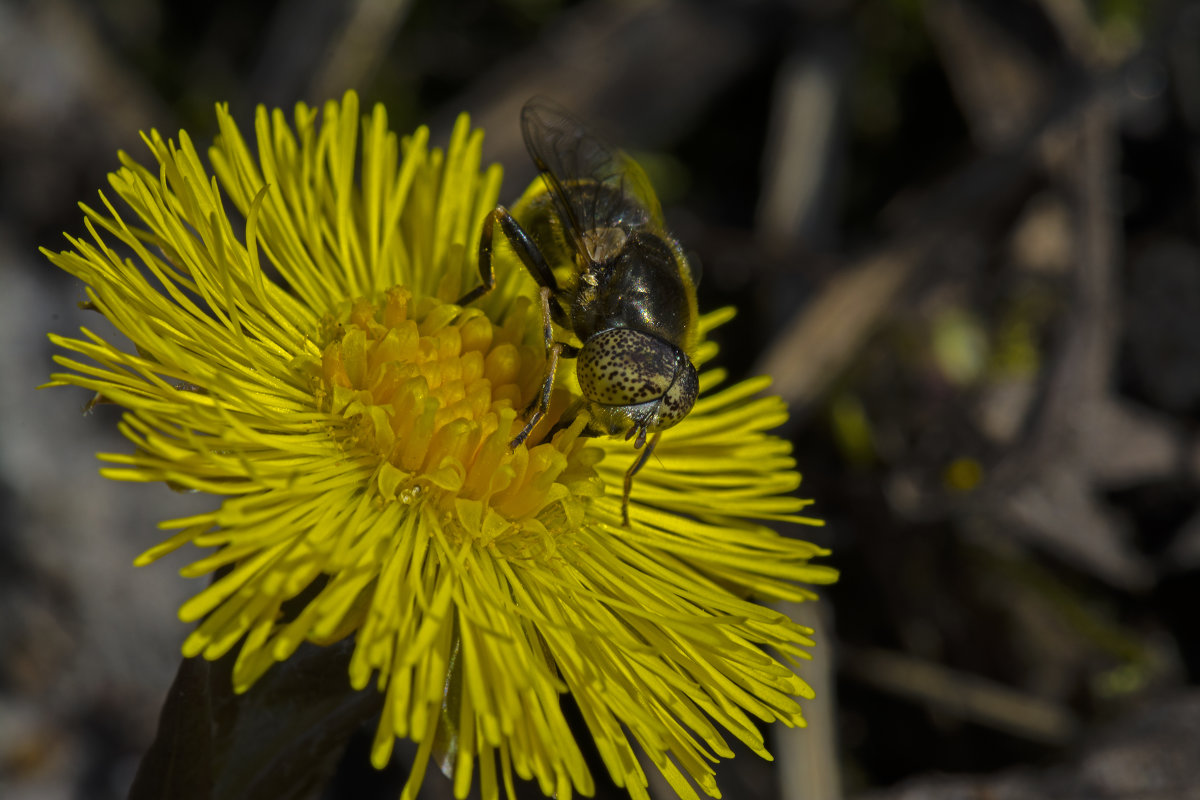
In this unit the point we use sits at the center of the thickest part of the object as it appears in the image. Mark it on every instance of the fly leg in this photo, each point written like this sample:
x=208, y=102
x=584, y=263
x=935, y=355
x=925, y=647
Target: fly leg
x=633, y=470
x=552, y=310
x=555, y=350
x=525, y=249
x=569, y=415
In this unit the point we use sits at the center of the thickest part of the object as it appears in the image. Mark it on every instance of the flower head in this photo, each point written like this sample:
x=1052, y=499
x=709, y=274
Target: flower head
x=297, y=351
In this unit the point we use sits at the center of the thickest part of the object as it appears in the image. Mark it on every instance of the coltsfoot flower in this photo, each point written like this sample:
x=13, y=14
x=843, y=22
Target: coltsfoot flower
x=297, y=352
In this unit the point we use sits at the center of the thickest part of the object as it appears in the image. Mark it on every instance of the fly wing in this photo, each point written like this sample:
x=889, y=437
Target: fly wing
x=594, y=185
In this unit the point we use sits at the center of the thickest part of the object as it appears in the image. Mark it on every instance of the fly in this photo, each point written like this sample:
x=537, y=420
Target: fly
x=629, y=298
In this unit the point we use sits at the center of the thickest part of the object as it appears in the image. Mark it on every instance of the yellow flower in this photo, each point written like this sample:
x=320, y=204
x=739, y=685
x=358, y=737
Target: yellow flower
x=303, y=358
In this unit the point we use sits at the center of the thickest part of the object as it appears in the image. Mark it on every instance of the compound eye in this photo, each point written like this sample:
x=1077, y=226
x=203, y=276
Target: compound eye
x=679, y=399
x=623, y=367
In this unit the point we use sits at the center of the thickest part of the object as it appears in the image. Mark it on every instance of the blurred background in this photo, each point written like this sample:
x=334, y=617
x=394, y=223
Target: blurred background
x=963, y=235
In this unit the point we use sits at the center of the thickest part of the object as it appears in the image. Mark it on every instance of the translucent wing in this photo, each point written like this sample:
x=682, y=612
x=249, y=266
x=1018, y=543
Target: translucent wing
x=594, y=185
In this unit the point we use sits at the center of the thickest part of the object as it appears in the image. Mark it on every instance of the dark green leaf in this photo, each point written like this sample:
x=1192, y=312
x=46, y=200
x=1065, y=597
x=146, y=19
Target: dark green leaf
x=280, y=740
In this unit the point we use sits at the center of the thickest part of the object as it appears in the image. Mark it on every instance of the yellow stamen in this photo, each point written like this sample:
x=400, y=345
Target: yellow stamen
x=434, y=391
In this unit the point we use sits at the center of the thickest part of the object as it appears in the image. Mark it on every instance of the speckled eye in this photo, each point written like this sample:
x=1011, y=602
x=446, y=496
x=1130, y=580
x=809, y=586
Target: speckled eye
x=679, y=399
x=623, y=367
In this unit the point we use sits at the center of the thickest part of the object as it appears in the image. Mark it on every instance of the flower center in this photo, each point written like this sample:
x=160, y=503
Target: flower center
x=433, y=391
